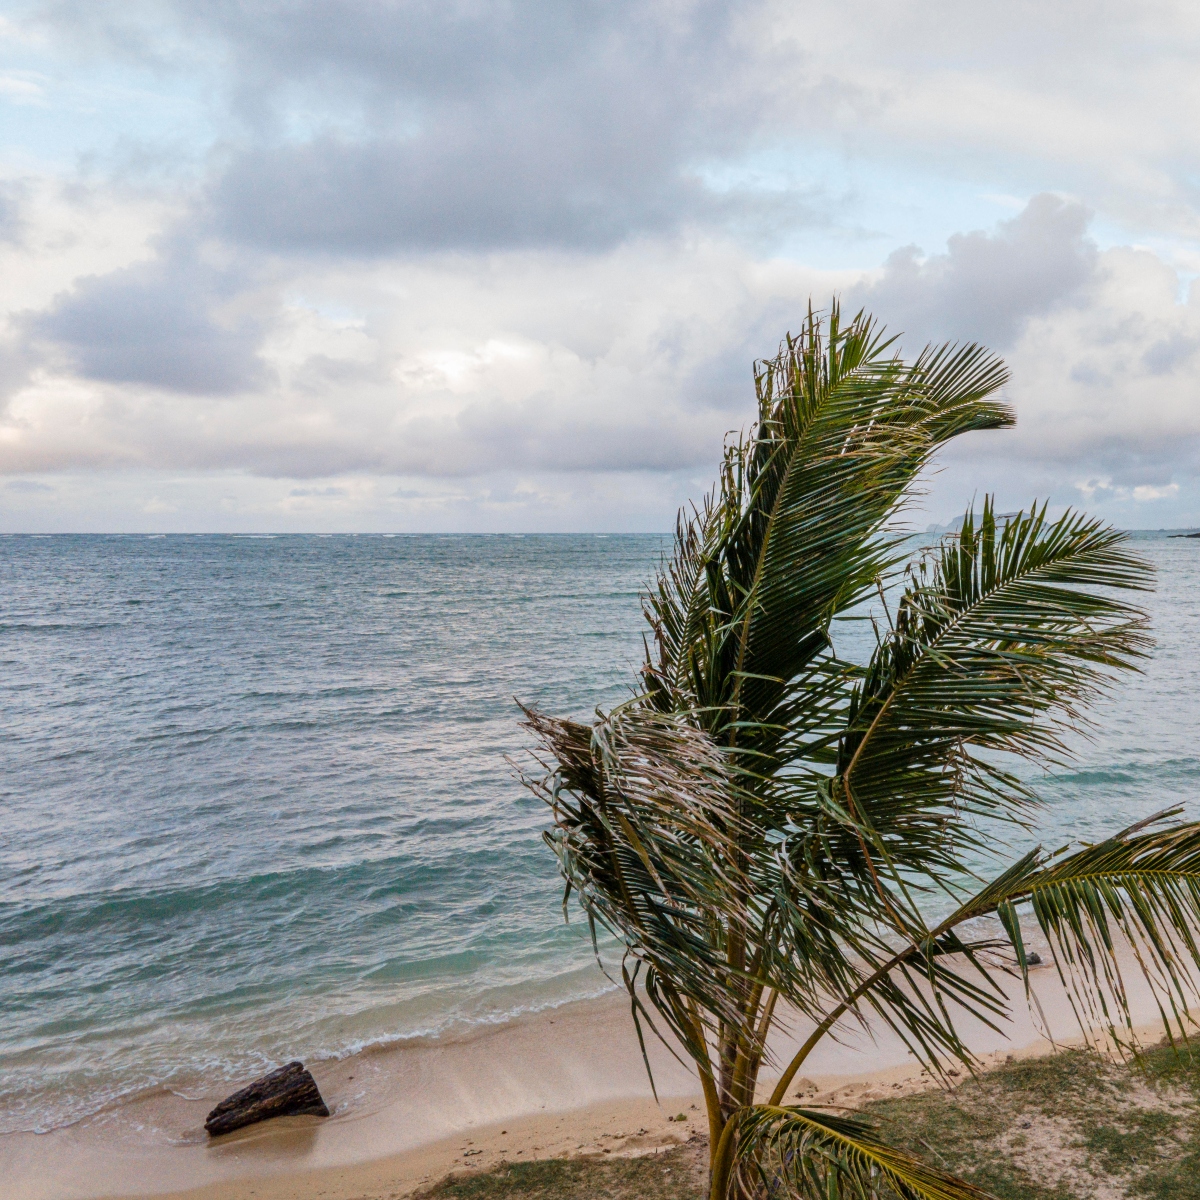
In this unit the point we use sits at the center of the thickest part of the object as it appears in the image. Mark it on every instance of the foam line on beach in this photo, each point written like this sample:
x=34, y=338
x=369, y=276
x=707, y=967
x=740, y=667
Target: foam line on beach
x=405, y=1114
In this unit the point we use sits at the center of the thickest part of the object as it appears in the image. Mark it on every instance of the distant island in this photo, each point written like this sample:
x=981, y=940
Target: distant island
x=1186, y=535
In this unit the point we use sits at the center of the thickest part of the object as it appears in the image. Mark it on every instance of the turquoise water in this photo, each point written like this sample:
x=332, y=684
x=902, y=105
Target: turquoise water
x=256, y=803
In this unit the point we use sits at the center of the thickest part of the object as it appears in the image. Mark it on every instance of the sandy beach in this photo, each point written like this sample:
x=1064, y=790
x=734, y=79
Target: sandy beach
x=565, y=1082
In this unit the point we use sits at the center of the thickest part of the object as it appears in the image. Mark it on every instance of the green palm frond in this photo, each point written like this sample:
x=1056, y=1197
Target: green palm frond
x=998, y=643
x=794, y=532
x=808, y=1154
x=1137, y=891
x=846, y=432
x=677, y=609
x=1128, y=903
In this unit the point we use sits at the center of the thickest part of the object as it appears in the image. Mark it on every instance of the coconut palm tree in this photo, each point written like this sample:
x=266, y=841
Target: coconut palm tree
x=763, y=824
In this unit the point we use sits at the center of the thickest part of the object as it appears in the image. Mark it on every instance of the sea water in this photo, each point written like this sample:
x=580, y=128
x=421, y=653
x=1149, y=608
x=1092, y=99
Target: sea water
x=255, y=801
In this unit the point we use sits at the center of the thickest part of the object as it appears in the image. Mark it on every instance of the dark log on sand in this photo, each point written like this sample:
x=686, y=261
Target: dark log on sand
x=282, y=1093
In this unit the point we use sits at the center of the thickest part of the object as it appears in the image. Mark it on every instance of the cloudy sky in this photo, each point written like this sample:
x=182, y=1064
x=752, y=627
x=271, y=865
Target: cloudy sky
x=475, y=265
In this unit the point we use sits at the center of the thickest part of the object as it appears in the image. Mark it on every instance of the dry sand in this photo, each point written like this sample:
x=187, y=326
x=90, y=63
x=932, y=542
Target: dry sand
x=569, y=1081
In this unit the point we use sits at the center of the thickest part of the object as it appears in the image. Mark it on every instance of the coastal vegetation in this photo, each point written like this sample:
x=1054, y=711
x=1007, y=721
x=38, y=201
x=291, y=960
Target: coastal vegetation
x=766, y=825
x=1073, y=1126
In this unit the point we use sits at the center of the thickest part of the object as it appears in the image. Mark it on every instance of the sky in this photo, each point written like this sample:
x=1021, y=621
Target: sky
x=396, y=265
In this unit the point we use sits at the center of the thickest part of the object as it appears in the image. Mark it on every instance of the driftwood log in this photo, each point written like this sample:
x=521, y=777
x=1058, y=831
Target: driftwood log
x=283, y=1092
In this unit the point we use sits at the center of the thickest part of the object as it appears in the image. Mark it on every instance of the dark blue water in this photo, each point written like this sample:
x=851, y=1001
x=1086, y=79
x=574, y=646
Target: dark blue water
x=255, y=800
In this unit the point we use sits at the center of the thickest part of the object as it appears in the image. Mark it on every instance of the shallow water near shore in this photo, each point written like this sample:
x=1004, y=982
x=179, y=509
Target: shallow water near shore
x=257, y=804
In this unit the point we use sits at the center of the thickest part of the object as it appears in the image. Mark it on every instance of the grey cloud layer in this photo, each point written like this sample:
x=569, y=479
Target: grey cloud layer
x=371, y=128
x=374, y=125
x=477, y=126
x=160, y=324
x=367, y=126
x=444, y=239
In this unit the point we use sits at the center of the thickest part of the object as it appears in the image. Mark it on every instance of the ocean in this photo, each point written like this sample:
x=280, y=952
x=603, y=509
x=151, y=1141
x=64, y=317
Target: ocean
x=257, y=805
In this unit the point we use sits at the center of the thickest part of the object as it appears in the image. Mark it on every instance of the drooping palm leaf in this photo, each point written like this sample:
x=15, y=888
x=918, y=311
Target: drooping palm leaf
x=648, y=833
x=1134, y=896
x=1138, y=891
x=645, y=830
x=1130, y=903
x=813, y=1155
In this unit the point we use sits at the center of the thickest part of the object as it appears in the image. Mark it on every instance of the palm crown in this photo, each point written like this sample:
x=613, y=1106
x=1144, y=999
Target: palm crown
x=760, y=823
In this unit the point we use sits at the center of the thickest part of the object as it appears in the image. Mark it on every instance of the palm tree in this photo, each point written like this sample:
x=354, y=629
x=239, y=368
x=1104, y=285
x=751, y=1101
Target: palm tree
x=763, y=823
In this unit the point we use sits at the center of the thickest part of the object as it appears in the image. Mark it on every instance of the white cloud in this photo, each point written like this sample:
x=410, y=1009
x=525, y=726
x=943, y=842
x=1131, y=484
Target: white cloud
x=635, y=360
x=531, y=291
x=1144, y=492
x=1103, y=489
x=21, y=88
x=1094, y=99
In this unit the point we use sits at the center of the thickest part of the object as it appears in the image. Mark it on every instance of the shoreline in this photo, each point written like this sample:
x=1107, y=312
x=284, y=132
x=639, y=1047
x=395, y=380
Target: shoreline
x=567, y=1081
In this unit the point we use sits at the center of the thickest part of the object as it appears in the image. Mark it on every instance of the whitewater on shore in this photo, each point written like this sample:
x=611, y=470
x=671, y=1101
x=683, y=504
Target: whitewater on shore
x=567, y=1082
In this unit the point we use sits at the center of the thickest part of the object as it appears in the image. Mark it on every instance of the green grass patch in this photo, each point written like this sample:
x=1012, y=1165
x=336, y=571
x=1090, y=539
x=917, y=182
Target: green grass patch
x=671, y=1175
x=1067, y=1127
x=1070, y=1127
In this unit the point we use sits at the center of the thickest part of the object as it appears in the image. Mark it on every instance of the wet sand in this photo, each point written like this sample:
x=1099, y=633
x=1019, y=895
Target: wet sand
x=568, y=1081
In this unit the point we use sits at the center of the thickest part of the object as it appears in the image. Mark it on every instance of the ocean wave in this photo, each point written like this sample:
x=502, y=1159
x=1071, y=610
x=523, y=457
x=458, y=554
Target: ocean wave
x=37, y=1101
x=56, y=626
x=136, y=904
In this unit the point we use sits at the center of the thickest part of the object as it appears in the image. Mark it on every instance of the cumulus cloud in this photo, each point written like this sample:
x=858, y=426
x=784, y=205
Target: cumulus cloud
x=1107, y=389
x=988, y=285
x=636, y=360
x=1114, y=377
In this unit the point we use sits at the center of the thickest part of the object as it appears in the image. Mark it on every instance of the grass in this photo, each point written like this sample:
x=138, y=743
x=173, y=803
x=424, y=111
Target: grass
x=1071, y=1127
x=677, y=1174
